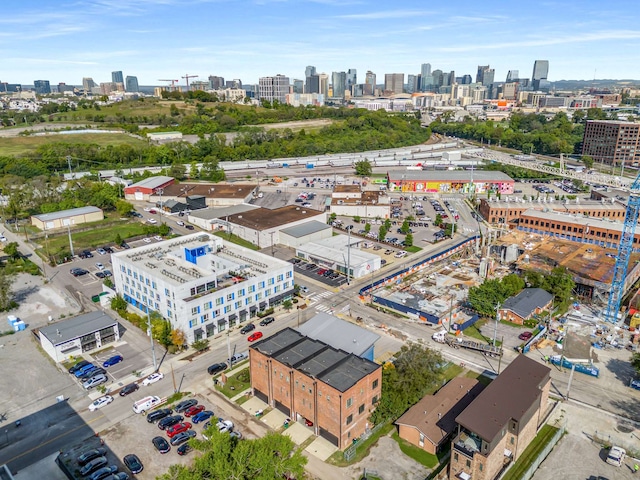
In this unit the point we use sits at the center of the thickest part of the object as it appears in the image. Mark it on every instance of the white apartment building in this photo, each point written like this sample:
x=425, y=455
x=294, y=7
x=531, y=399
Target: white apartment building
x=200, y=283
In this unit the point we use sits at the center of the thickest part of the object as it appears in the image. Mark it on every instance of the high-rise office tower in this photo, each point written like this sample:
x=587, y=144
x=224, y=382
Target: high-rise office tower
x=466, y=79
x=274, y=88
x=339, y=83
x=131, y=84
x=513, y=75
x=394, y=82
x=352, y=78
x=425, y=70
x=323, y=83
x=369, y=83
x=310, y=71
x=298, y=86
x=485, y=75
x=42, y=87
x=540, y=73
x=412, y=83
x=116, y=77
x=437, y=78
x=88, y=84
x=216, y=83
x=312, y=85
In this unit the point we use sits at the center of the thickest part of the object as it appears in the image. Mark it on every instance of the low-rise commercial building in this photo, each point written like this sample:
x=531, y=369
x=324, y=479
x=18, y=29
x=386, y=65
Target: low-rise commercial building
x=200, y=283
x=215, y=194
x=308, y=379
x=351, y=201
x=334, y=253
x=450, y=181
x=66, y=218
x=298, y=235
x=143, y=189
x=496, y=427
x=523, y=306
x=76, y=335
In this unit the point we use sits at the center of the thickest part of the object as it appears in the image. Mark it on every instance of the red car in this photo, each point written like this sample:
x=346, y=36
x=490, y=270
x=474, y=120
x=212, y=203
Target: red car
x=254, y=336
x=308, y=422
x=191, y=411
x=525, y=335
x=178, y=428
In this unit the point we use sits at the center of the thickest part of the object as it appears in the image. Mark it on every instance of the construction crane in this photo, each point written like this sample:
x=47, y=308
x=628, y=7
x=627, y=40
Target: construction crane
x=173, y=82
x=187, y=77
x=624, y=252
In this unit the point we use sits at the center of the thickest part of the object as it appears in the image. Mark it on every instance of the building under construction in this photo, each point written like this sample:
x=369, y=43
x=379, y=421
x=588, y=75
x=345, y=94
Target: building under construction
x=591, y=266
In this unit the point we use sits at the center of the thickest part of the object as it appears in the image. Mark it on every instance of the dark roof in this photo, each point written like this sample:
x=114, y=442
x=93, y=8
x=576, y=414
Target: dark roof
x=209, y=190
x=435, y=415
x=508, y=397
x=332, y=366
x=264, y=218
x=526, y=302
x=69, y=329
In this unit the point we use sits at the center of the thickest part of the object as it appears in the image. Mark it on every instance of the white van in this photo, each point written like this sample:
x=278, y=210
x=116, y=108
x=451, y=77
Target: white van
x=146, y=403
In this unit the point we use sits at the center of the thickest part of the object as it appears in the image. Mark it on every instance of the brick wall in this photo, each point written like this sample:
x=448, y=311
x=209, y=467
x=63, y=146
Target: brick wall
x=412, y=435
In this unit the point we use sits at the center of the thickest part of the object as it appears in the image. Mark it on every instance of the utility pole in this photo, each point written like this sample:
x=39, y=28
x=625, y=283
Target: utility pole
x=349, y=256
x=495, y=329
x=153, y=348
x=228, y=347
x=69, y=163
x=70, y=240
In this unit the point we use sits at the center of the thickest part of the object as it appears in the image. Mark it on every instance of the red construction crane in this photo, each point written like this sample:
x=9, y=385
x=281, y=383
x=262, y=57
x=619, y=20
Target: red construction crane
x=173, y=82
x=187, y=77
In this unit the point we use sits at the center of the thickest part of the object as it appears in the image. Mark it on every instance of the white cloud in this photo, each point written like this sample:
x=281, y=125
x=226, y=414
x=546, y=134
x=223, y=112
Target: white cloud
x=383, y=15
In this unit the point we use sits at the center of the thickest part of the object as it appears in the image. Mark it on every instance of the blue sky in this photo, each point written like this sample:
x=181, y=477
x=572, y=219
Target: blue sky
x=65, y=40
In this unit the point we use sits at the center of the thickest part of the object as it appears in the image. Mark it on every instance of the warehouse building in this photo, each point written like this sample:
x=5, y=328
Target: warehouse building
x=307, y=379
x=200, y=283
x=66, y=218
x=212, y=218
x=215, y=194
x=77, y=335
x=144, y=189
x=450, y=181
x=312, y=231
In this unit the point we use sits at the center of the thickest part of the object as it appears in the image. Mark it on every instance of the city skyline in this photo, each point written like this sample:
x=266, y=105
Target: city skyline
x=157, y=39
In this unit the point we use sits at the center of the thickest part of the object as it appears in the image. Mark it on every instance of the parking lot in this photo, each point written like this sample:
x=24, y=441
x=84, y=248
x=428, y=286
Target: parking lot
x=318, y=273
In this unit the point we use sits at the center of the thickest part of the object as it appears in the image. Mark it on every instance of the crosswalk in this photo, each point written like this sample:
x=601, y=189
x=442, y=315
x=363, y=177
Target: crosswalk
x=317, y=296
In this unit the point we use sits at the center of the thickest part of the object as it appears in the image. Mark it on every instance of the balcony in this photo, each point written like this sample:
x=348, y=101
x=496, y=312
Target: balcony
x=467, y=444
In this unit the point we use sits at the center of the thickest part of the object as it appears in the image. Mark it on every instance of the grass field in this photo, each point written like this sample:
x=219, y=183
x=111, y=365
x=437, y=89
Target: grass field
x=235, y=239
x=418, y=454
x=20, y=145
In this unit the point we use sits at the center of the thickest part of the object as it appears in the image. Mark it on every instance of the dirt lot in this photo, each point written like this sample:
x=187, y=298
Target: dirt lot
x=299, y=125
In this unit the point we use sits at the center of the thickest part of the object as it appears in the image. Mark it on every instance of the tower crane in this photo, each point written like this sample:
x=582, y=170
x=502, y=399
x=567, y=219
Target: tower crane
x=173, y=82
x=624, y=252
x=187, y=77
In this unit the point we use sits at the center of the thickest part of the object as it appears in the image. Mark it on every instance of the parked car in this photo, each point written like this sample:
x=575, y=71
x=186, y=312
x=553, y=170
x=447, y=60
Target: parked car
x=216, y=368
x=100, y=402
x=191, y=411
x=202, y=416
x=185, y=404
x=118, y=476
x=99, y=266
x=225, y=426
x=254, y=336
x=182, y=437
x=169, y=421
x=236, y=434
x=157, y=415
x=178, y=428
x=616, y=456
x=95, y=381
x=92, y=372
x=189, y=227
x=93, y=465
x=153, y=378
x=525, y=335
x=238, y=357
x=267, y=321
x=112, y=361
x=127, y=389
x=184, y=449
x=133, y=463
x=161, y=444
x=89, y=455
x=247, y=328
x=101, y=251
x=103, y=472
x=86, y=254
x=180, y=223
x=78, y=272
x=78, y=366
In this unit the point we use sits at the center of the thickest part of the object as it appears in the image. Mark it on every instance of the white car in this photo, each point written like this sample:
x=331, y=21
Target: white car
x=99, y=266
x=180, y=223
x=158, y=238
x=100, y=402
x=225, y=426
x=152, y=221
x=147, y=209
x=153, y=378
x=3, y=238
x=616, y=456
x=146, y=240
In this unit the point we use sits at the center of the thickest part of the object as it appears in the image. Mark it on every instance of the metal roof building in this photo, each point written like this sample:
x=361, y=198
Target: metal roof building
x=434, y=181
x=79, y=334
x=64, y=218
x=305, y=232
x=145, y=188
x=340, y=334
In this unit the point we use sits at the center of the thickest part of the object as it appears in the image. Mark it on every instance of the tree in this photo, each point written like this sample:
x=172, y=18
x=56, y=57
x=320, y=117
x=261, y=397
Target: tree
x=382, y=233
x=408, y=240
x=119, y=304
x=356, y=219
x=287, y=305
x=200, y=345
x=118, y=239
x=367, y=227
x=123, y=208
x=11, y=249
x=160, y=329
x=332, y=218
x=438, y=221
x=194, y=173
x=363, y=168
x=178, y=338
x=225, y=457
x=635, y=362
x=6, y=294
x=405, y=227
x=587, y=160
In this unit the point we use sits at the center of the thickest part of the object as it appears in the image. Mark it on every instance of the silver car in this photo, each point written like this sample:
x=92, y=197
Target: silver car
x=95, y=381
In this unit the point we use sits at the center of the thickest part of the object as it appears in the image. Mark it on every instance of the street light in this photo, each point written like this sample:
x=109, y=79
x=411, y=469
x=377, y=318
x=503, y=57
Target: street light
x=153, y=348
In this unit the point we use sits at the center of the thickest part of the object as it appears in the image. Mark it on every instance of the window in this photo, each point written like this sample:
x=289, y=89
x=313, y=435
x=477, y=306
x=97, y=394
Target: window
x=252, y=288
x=227, y=309
x=237, y=305
x=271, y=281
x=267, y=292
x=280, y=277
x=207, y=306
x=230, y=296
x=241, y=292
x=468, y=463
x=455, y=457
x=374, y=385
x=289, y=274
x=349, y=402
x=349, y=419
x=261, y=284
x=194, y=310
x=374, y=400
x=219, y=301
x=361, y=409
x=480, y=467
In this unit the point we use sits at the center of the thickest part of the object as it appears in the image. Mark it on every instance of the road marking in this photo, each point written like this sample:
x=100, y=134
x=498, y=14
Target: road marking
x=85, y=424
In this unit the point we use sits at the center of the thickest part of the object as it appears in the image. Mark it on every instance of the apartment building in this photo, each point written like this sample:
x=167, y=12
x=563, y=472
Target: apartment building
x=612, y=142
x=274, y=88
x=200, y=283
x=308, y=379
x=499, y=424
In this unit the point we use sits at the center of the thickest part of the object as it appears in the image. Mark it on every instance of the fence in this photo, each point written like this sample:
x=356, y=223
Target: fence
x=350, y=452
x=606, y=440
x=528, y=474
